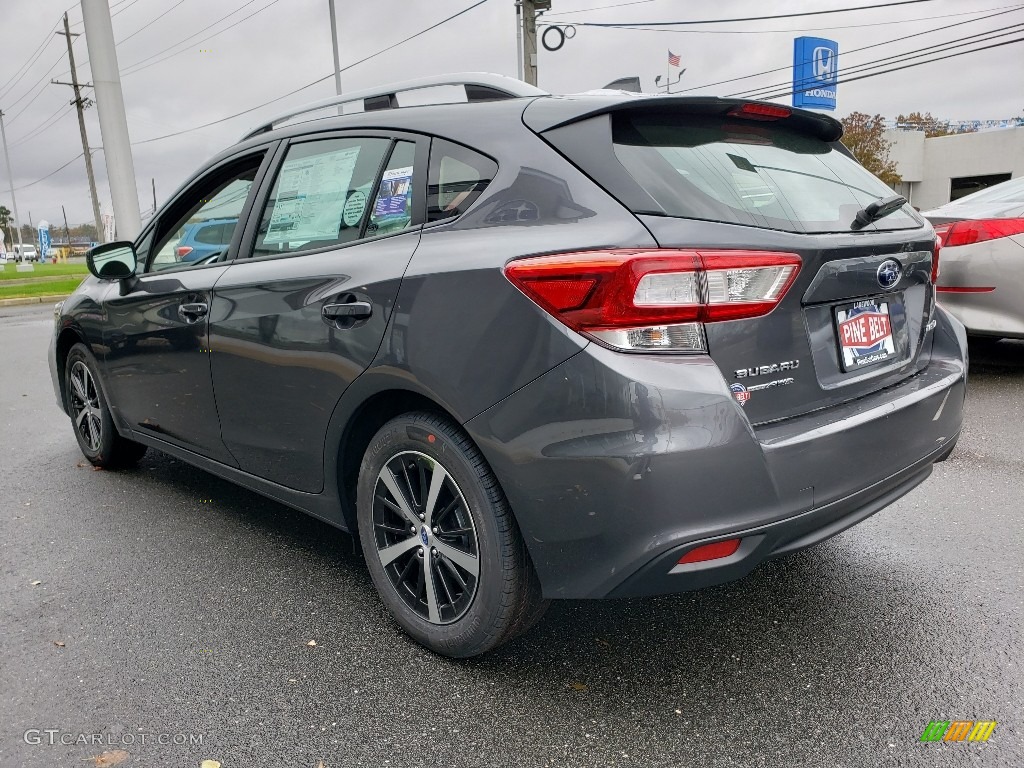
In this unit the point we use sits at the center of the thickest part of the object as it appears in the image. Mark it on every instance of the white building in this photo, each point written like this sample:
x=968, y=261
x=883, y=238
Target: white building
x=944, y=168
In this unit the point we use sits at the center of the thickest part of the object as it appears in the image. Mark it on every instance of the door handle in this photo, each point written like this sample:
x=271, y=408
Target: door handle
x=355, y=310
x=191, y=312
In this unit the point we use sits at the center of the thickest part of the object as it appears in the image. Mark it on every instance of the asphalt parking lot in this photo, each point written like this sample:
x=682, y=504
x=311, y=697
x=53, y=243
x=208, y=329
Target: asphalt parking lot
x=162, y=605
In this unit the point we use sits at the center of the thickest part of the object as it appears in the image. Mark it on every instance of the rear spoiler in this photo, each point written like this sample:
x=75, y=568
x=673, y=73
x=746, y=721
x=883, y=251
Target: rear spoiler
x=556, y=111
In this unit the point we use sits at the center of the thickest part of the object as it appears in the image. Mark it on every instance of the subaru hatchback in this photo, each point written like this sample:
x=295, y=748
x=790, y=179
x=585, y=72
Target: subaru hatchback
x=528, y=347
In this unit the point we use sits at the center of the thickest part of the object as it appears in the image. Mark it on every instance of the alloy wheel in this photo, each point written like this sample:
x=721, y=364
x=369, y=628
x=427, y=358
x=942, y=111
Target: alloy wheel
x=425, y=536
x=85, y=405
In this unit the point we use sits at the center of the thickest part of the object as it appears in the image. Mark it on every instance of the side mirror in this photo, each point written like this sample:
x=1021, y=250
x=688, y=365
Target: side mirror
x=112, y=261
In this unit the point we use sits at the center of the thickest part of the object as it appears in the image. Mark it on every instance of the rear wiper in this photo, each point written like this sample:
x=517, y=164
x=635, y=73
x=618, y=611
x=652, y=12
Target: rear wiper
x=880, y=208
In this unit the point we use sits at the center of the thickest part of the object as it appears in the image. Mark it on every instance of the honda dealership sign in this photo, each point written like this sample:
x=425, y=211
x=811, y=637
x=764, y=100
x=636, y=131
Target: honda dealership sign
x=815, y=67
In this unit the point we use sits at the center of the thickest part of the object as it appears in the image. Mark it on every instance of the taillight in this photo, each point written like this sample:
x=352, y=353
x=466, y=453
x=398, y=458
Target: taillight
x=971, y=231
x=183, y=251
x=935, y=257
x=654, y=299
x=760, y=111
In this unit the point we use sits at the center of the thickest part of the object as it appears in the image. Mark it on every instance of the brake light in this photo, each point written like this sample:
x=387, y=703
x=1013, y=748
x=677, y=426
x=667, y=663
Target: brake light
x=971, y=231
x=759, y=111
x=183, y=251
x=713, y=551
x=935, y=257
x=654, y=299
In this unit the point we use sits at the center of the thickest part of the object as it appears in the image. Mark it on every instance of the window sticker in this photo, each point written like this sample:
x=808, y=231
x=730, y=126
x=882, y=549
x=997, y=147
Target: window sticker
x=354, y=207
x=393, y=198
x=311, y=197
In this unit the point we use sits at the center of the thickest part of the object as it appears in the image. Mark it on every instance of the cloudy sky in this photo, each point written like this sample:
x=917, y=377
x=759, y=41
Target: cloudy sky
x=185, y=63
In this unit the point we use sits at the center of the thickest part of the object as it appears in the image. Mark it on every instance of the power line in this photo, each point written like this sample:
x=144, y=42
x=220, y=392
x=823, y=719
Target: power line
x=747, y=18
x=599, y=8
x=862, y=48
x=149, y=24
x=665, y=30
x=315, y=82
x=916, y=53
x=51, y=173
x=48, y=123
x=131, y=68
x=33, y=57
x=908, y=66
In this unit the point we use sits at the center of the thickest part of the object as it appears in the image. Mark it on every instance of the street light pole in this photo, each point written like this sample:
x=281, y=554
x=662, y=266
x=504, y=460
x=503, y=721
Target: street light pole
x=10, y=179
x=334, y=47
x=117, y=148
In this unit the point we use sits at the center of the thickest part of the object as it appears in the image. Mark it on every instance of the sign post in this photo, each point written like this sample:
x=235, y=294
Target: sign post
x=815, y=72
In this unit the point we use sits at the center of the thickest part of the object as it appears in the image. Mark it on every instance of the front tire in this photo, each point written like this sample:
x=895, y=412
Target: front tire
x=94, y=427
x=440, y=541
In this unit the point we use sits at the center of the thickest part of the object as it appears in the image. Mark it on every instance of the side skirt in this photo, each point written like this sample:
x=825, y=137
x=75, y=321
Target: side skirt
x=323, y=506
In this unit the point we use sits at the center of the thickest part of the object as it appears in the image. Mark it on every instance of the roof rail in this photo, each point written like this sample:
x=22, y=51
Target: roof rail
x=480, y=86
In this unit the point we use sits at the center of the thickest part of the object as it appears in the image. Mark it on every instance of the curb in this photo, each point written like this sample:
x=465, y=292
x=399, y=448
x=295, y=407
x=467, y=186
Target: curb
x=32, y=300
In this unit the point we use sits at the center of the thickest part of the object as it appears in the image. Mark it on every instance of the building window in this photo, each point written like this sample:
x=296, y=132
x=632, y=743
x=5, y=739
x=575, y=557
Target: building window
x=970, y=184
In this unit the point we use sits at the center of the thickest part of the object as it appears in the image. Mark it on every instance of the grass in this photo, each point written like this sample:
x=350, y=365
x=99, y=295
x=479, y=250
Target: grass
x=9, y=272
x=44, y=288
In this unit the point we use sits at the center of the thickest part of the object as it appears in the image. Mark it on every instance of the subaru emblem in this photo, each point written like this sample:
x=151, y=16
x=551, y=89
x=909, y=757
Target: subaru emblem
x=889, y=273
x=424, y=536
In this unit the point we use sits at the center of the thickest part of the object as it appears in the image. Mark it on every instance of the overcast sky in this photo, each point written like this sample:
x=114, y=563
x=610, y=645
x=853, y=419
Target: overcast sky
x=288, y=45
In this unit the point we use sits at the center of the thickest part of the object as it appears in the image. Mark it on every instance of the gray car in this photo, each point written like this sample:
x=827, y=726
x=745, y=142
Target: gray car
x=529, y=347
x=982, y=277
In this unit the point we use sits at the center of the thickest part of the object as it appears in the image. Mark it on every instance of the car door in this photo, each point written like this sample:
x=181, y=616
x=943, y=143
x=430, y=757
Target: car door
x=157, y=361
x=294, y=323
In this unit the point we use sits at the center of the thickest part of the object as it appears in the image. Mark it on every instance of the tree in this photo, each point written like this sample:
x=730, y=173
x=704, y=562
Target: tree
x=931, y=126
x=864, y=136
x=5, y=223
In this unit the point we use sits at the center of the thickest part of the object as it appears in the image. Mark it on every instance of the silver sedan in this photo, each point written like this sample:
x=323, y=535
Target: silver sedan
x=981, y=278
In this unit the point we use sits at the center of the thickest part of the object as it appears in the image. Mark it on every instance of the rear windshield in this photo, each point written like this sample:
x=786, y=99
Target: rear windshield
x=743, y=172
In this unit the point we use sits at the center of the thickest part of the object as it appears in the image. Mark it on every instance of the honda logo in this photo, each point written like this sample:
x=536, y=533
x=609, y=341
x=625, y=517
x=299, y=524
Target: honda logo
x=823, y=64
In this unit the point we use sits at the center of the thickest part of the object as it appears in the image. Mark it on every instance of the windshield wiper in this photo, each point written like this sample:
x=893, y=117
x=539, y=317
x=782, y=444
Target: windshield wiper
x=880, y=208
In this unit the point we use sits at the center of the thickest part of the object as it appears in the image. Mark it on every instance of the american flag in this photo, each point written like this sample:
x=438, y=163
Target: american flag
x=673, y=59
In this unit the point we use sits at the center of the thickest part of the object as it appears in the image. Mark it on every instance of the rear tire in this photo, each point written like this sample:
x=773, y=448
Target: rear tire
x=90, y=416
x=451, y=532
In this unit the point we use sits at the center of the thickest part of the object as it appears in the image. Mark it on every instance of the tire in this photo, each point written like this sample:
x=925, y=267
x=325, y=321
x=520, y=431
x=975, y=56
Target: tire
x=90, y=416
x=471, y=528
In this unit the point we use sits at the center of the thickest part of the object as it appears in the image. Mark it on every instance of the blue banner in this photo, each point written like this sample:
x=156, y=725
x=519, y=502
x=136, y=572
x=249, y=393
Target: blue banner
x=44, y=240
x=815, y=72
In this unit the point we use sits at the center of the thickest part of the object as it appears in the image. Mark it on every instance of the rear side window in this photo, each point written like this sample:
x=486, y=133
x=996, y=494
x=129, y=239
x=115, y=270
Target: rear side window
x=213, y=234
x=457, y=177
x=741, y=172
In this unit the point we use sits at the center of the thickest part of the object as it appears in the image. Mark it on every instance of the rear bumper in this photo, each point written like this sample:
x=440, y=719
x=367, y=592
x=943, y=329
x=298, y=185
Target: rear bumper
x=616, y=465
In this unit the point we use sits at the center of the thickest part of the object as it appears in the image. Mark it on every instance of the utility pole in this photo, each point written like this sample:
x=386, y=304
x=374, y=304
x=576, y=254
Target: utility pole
x=117, y=147
x=81, y=104
x=10, y=179
x=528, y=19
x=153, y=179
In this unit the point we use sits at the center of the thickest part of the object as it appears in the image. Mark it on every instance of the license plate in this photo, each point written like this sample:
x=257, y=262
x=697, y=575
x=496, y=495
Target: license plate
x=864, y=331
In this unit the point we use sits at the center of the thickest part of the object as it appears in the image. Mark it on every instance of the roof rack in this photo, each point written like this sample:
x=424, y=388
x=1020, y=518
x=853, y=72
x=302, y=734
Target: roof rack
x=480, y=86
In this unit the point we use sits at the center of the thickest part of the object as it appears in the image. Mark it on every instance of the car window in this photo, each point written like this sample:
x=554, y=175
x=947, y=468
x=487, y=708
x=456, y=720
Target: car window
x=730, y=170
x=321, y=195
x=214, y=234
x=219, y=197
x=457, y=176
x=392, y=205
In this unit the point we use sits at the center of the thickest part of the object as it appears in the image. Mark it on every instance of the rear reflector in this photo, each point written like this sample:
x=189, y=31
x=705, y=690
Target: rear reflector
x=715, y=551
x=969, y=232
x=654, y=299
x=964, y=289
x=760, y=111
